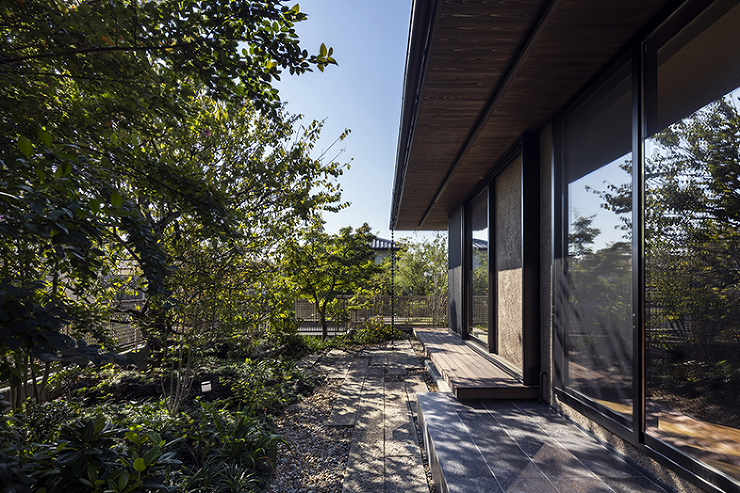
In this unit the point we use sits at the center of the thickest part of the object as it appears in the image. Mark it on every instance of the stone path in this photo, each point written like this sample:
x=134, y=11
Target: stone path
x=378, y=399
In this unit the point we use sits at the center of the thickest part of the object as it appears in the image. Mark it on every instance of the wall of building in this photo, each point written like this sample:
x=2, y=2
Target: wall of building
x=507, y=225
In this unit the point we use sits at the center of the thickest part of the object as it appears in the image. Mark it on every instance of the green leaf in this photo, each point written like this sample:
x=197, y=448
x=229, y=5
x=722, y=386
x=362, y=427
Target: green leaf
x=44, y=137
x=25, y=146
x=139, y=465
x=123, y=480
x=116, y=200
x=322, y=50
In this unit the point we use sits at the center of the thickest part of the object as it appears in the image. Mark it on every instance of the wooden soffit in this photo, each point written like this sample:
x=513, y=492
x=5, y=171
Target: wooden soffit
x=480, y=73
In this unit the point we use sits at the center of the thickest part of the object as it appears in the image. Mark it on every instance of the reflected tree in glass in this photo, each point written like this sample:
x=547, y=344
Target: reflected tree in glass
x=693, y=261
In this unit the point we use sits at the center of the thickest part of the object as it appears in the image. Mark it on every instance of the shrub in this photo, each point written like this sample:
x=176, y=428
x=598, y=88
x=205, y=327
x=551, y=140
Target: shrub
x=269, y=385
x=375, y=332
x=87, y=455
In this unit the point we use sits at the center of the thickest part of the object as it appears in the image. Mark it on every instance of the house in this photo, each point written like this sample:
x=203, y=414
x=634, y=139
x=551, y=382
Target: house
x=593, y=146
x=383, y=248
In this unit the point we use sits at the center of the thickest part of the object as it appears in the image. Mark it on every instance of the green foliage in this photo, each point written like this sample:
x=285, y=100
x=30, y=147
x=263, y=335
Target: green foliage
x=137, y=447
x=143, y=149
x=30, y=341
x=87, y=454
x=314, y=344
x=226, y=448
x=320, y=267
x=261, y=183
x=421, y=270
x=375, y=332
x=421, y=267
x=267, y=385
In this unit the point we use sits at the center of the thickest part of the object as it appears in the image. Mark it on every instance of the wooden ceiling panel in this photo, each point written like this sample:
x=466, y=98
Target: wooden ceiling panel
x=474, y=47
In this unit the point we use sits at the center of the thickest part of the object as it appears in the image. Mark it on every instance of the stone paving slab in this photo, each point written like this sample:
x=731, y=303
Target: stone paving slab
x=340, y=367
x=344, y=411
x=334, y=360
x=404, y=355
x=380, y=357
x=385, y=456
x=308, y=361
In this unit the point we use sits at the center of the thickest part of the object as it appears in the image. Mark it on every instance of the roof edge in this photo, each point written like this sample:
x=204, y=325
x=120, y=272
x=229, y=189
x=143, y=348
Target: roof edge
x=423, y=16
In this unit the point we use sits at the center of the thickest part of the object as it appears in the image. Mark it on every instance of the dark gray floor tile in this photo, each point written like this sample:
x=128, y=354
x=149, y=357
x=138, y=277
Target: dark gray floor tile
x=554, y=460
x=580, y=485
x=477, y=485
x=530, y=485
x=509, y=473
x=611, y=467
x=634, y=485
x=454, y=469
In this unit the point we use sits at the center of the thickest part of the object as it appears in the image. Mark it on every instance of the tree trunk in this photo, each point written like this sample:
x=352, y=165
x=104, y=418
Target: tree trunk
x=324, y=326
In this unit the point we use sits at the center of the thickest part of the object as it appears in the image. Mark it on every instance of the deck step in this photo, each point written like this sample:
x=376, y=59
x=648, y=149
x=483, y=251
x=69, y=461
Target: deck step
x=469, y=374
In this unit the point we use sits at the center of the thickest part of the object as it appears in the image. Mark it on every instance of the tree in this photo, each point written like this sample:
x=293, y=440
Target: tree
x=421, y=266
x=91, y=94
x=321, y=267
x=261, y=175
x=421, y=270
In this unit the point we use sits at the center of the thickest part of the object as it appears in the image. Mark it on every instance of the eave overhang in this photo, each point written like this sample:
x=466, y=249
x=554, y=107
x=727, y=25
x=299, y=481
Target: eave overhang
x=479, y=73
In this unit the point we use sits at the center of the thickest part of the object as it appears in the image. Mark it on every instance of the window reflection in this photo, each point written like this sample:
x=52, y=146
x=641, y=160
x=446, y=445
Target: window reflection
x=599, y=275
x=692, y=229
x=595, y=295
x=478, y=327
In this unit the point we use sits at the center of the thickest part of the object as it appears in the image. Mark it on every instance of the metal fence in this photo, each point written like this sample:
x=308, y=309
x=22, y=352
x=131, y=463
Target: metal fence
x=429, y=311
x=124, y=334
x=419, y=311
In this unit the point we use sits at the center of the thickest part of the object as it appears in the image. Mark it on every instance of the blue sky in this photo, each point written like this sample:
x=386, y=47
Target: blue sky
x=363, y=93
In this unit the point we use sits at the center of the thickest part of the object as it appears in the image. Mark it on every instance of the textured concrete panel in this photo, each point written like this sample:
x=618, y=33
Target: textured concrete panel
x=508, y=263
x=510, y=311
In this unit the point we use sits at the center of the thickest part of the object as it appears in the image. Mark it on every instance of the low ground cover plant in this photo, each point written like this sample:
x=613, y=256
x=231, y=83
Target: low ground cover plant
x=109, y=429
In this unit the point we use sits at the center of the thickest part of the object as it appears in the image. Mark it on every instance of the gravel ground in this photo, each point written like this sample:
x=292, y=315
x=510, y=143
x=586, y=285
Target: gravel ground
x=319, y=452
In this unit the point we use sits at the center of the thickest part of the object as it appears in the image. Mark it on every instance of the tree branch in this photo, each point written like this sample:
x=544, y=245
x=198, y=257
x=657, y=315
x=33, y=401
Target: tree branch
x=99, y=49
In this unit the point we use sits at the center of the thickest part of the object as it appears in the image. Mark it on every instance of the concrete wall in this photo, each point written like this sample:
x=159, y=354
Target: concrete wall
x=507, y=226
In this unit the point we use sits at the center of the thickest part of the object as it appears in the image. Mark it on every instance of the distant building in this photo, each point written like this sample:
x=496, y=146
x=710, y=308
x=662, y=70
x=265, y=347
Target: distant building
x=383, y=249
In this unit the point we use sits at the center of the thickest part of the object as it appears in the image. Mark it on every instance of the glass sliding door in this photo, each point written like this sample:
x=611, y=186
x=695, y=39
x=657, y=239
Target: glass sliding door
x=594, y=289
x=478, y=325
x=692, y=239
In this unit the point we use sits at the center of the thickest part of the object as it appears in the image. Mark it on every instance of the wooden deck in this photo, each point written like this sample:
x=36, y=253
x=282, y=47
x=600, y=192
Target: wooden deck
x=469, y=374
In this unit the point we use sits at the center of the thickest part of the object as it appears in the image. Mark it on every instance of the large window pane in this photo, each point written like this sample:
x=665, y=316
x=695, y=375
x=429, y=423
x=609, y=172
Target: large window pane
x=594, y=297
x=478, y=326
x=692, y=230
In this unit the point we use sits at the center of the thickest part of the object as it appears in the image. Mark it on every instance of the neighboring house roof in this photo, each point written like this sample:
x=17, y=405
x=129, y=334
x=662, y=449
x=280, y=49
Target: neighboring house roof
x=478, y=75
x=383, y=244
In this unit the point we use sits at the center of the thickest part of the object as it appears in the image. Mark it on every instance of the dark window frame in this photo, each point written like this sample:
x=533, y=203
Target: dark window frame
x=667, y=23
